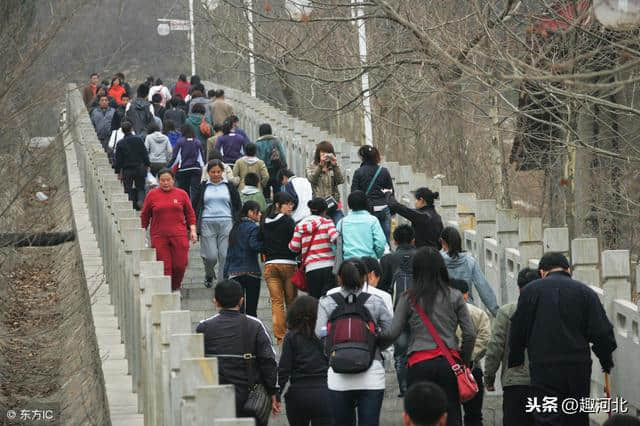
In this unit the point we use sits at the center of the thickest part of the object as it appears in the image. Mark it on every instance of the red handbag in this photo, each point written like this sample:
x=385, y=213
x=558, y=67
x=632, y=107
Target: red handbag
x=299, y=279
x=467, y=386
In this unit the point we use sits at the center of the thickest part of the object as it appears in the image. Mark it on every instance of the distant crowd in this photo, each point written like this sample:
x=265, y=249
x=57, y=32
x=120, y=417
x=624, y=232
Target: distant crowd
x=351, y=294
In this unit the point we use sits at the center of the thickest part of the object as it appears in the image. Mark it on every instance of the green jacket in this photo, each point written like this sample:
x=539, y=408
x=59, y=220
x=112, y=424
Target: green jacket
x=265, y=145
x=498, y=352
x=254, y=194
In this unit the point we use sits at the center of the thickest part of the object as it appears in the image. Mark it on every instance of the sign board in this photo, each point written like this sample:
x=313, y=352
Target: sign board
x=179, y=25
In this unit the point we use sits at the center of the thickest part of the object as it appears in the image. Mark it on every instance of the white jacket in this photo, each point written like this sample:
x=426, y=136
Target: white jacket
x=302, y=186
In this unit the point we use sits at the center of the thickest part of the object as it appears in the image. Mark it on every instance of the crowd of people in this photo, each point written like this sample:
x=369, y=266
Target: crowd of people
x=376, y=295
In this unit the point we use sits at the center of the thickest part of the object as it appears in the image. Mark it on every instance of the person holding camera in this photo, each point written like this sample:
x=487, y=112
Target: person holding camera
x=325, y=177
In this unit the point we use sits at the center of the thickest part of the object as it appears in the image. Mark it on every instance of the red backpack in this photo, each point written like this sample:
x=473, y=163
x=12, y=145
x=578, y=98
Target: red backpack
x=351, y=335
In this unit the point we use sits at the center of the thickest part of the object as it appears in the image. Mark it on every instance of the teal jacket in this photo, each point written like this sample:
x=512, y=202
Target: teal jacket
x=362, y=235
x=265, y=145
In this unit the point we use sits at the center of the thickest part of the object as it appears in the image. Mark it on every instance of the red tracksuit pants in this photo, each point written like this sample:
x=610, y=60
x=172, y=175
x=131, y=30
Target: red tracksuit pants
x=174, y=252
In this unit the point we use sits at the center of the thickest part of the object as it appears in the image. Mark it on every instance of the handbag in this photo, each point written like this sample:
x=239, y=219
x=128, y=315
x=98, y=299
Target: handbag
x=258, y=404
x=467, y=386
x=299, y=279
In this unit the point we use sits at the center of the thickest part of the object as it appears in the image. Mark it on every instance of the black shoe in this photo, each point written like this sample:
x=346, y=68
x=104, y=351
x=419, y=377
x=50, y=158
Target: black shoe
x=208, y=283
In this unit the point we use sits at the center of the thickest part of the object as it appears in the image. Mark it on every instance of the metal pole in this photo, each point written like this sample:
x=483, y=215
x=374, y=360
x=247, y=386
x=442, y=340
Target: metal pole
x=362, y=49
x=252, y=61
x=192, y=37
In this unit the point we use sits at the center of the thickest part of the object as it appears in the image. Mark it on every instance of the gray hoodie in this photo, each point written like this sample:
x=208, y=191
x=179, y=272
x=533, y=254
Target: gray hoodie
x=159, y=147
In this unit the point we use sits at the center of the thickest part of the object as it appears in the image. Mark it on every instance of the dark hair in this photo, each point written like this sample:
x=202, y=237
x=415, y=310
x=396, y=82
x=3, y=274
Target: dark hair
x=199, y=87
x=125, y=95
x=198, y=109
x=227, y=126
x=158, y=82
x=169, y=126
x=357, y=200
x=526, y=275
x=150, y=80
x=251, y=179
x=552, y=260
x=187, y=131
x=427, y=195
x=282, y=173
x=324, y=146
x=403, y=234
x=211, y=93
x=219, y=93
x=228, y=293
x=195, y=79
x=120, y=76
x=165, y=171
x=248, y=206
x=461, y=285
x=214, y=154
x=369, y=154
x=143, y=91
x=317, y=205
x=264, y=129
x=622, y=420
x=182, y=77
x=126, y=126
x=234, y=118
x=451, y=236
x=154, y=126
x=197, y=93
x=175, y=100
x=425, y=403
x=94, y=73
x=217, y=128
x=116, y=78
x=156, y=98
x=250, y=149
x=430, y=276
x=215, y=163
x=103, y=96
x=279, y=198
x=301, y=316
x=372, y=265
x=351, y=276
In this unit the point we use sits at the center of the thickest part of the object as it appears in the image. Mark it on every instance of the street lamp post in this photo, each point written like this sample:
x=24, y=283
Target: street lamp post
x=252, y=60
x=362, y=50
x=165, y=27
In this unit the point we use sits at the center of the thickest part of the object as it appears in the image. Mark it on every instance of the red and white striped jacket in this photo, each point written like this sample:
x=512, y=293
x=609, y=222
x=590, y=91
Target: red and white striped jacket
x=321, y=254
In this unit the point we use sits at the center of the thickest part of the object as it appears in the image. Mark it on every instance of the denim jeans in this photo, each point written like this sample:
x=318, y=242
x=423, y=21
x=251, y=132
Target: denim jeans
x=366, y=402
x=214, y=243
x=384, y=217
x=400, y=347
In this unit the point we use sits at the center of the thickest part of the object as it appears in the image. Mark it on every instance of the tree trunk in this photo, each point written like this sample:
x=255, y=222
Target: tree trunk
x=499, y=165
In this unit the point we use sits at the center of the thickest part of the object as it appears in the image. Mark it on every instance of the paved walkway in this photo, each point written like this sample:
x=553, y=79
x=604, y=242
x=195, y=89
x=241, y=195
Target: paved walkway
x=123, y=403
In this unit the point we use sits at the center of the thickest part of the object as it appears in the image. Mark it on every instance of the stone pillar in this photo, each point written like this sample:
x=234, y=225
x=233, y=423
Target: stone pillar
x=235, y=422
x=182, y=346
x=159, y=304
x=195, y=372
x=557, y=240
x=485, y=226
x=584, y=260
x=507, y=237
x=171, y=322
x=466, y=211
x=214, y=402
x=512, y=268
x=530, y=236
x=449, y=204
x=616, y=273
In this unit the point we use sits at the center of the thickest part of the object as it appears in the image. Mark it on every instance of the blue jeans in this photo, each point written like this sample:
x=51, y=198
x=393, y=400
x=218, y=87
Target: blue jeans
x=400, y=347
x=367, y=402
x=384, y=217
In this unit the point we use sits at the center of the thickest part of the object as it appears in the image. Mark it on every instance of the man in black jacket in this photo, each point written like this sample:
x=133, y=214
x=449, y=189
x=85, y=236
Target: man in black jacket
x=230, y=335
x=556, y=320
x=131, y=164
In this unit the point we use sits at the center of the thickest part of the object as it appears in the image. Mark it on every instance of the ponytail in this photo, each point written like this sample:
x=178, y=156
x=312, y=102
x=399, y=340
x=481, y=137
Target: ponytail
x=351, y=278
x=451, y=236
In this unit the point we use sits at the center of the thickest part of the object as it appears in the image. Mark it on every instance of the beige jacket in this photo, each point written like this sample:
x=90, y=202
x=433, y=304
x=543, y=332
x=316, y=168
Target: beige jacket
x=246, y=165
x=325, y=184
x=483, y=332
x=220, y=110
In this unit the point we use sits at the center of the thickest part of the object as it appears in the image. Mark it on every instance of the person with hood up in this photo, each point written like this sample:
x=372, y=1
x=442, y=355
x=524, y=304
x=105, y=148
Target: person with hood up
x=194, y=120
x=276, y=231
x=250, y=192
x=271, y=152
x=139, y=114
x=231, y=144
x=424, y=218
x=159, y=148
x=162, y=90
x=251, y=164
x=462, y=266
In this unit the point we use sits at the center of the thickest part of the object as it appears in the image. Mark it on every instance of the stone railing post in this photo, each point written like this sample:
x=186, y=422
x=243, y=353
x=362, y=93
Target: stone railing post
x=466, y=211
x=584, y=260
x=235, y=422
x=215, y=401
x=449, y=204
x=182, y=346
x=557, y=240
x=530, y=236
x=195, y=372
x=171, y=323
x=616, y=274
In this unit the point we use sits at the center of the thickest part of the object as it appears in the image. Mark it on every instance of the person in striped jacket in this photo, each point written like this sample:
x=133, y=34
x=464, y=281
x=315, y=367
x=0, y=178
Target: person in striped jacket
x=313, y=238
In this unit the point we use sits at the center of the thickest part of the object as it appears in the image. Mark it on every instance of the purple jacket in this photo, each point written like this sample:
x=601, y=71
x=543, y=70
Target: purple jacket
x=231, y=146
x=188, y=155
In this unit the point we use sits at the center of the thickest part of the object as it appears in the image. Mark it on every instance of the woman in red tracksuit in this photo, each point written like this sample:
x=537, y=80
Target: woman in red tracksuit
x=169, y=210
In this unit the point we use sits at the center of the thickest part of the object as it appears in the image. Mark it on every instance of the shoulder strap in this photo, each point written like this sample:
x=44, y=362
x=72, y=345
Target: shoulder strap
x=313, y=237
x=432, y=330
x=248, y=353
x=338, y=298
x=373, y=180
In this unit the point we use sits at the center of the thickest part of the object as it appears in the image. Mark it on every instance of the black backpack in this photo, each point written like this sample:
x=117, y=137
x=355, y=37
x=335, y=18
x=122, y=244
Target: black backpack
x=350, y=344
x=402, y=279
x=140, y=118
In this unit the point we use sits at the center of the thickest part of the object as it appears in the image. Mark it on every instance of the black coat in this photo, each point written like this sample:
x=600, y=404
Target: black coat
x=390, y=264
x=131, y=153
x=236, y=203
x=556, y=320
x=426, y=223
x=362, y=178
